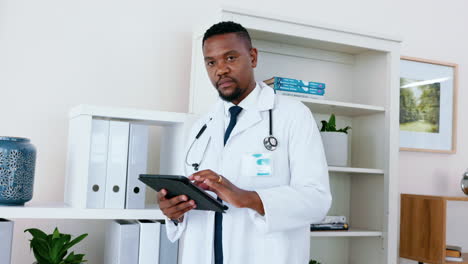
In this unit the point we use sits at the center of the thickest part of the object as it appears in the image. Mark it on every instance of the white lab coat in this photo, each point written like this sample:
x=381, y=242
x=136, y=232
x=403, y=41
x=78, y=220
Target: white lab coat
x=296, y=194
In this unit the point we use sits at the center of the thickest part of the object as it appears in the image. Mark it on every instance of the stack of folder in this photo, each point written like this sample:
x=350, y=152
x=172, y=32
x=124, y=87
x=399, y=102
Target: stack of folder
x=139, y=242
x=453, y=253
x=299, y=88
x=331, y=223
x=119, y=153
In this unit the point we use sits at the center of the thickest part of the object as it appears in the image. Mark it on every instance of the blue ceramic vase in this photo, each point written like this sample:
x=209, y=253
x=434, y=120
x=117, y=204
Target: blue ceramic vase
x=17, y=164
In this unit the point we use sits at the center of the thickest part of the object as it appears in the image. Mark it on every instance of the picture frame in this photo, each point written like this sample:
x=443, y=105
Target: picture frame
x=428, y=105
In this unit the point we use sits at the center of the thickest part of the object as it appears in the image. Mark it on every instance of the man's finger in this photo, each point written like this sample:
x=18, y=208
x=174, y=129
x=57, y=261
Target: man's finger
x=203, y=173
x=183, y=206
x=162, y=195
x=204, y=186
x=214, y=185
x=181, y=213
x=167, y=203
x=176, y=210
x=178, y=199
x=206, y=175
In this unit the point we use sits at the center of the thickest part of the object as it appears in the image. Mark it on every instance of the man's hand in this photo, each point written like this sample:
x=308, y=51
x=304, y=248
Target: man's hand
x=211, y=181
x=176, y=207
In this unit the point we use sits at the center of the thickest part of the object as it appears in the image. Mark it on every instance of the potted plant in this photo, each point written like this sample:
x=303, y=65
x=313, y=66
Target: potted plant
x=53, y=248
x=335, y=142
x=314, y=262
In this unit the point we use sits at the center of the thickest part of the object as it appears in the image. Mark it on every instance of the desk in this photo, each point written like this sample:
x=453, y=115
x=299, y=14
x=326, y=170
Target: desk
x=423, y=228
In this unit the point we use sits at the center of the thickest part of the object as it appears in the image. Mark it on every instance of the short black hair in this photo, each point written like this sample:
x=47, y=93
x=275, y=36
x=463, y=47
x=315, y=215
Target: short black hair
x=226, y=27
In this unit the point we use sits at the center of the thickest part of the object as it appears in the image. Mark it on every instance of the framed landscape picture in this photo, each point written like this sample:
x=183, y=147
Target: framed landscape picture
x=428, y=100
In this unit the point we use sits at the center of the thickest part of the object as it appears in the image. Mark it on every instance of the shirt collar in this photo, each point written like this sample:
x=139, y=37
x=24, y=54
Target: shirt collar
x=248, y=103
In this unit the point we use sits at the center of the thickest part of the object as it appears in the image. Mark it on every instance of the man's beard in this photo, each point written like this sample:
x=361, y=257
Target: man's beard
x=236, y=94
x=231, y=97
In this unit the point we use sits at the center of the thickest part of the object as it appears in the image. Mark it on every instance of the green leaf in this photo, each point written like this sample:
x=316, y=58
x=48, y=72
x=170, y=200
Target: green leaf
x=79, y=259
x=324, y=126
x=68, y=238
x=56, y=234
x=344, y=130
x=75, y=241
x=41, y=250
x=49, y=238
x=36, y=233
x=72, y=258
x=40, y=259
x=57, y=248
x=330, y=126
x=53, y=248
x=332, y=121
x=41, y=246
x=62, y=254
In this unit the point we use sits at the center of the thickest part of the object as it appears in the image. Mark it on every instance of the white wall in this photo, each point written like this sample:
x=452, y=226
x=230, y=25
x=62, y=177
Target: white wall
x=55, y=54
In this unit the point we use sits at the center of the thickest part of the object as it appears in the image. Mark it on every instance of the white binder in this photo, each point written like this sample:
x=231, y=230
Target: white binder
x=122, y=242
x=116, y=180
x=97, y=164
x=6, y=240
x=168, y=251
x=137, y=164
x=149, y=242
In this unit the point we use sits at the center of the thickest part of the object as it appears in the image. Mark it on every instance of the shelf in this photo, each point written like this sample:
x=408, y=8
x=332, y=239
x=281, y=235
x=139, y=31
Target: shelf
x=352, y=232
x=156, y=117
x=63, y=211
x=465, y=260
x=322, y=106
x=355, y=170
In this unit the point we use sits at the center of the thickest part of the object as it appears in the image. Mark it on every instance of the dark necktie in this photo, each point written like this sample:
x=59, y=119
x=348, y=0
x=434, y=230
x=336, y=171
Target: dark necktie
x=234, y=110
x=218, y=234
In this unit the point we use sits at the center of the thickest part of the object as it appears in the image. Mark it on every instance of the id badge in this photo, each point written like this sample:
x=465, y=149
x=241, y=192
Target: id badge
x=257, y=165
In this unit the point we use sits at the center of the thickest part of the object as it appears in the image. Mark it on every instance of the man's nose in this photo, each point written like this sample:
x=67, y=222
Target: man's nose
x=223, y=69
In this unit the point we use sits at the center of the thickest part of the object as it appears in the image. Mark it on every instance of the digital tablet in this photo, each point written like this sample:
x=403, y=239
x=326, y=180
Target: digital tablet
x=178, y=185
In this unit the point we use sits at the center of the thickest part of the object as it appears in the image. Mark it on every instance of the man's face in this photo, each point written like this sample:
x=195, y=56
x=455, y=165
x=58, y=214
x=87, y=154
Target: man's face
x=229, y=63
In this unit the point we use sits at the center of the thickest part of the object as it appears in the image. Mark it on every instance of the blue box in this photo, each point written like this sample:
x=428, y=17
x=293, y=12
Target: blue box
x=298, y=89
x=290, y=81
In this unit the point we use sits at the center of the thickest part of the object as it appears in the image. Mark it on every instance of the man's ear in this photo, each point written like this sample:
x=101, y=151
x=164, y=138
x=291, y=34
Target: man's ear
x=253, y=56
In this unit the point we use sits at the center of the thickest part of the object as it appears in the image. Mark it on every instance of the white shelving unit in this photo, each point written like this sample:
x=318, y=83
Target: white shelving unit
x=361, y=71
x=172, y=129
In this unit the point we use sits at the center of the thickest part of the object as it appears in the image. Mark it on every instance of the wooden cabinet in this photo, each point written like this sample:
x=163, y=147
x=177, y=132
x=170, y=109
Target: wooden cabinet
x=423, y=228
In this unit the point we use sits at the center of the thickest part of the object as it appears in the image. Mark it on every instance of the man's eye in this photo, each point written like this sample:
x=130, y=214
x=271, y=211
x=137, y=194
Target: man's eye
x=231, y=58
x=210, y=63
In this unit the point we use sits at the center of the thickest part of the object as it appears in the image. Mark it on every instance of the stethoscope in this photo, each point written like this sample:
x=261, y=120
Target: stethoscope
x=270, y=142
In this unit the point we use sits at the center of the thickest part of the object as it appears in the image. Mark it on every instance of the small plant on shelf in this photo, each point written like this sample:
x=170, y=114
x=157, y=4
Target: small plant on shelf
x=335, y=142
x=53, y=248
x=330, y=126
x=314, y=262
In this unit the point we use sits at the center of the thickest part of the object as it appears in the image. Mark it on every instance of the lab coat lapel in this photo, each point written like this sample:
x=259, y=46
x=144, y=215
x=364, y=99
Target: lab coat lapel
x=249, y=119
x=252, y=116
x=217, y=135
